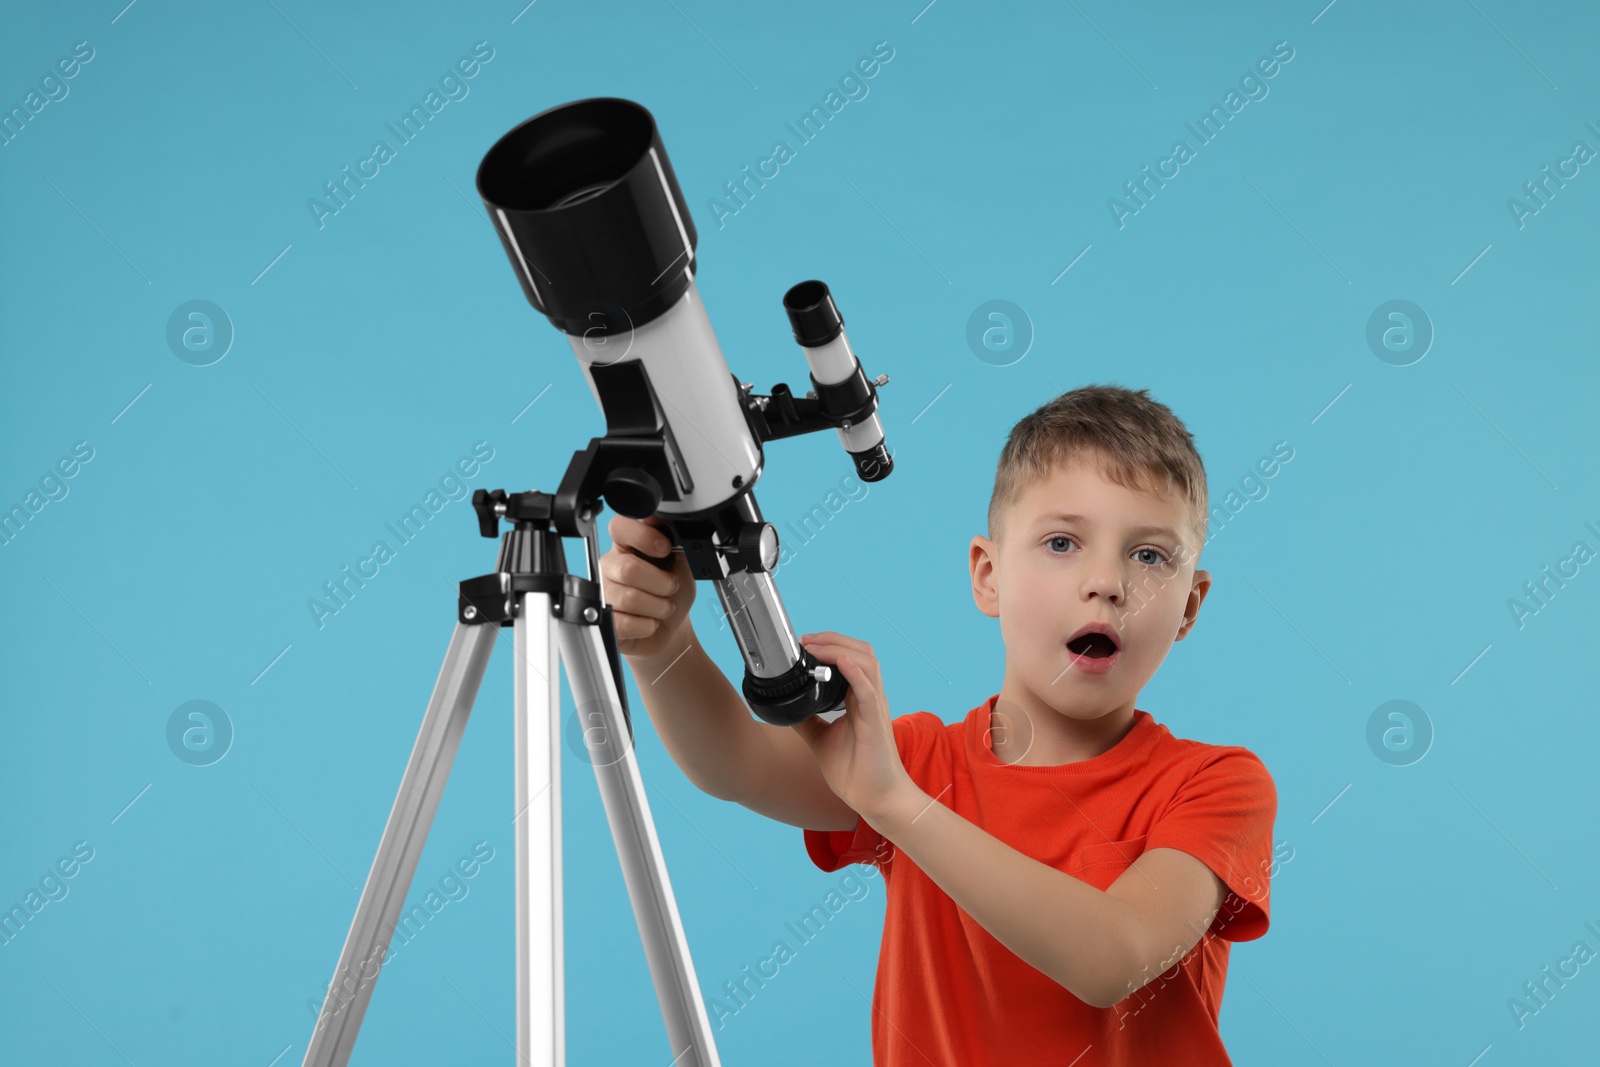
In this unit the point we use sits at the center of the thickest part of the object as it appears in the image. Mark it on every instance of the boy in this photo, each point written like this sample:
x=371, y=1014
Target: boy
x=1063, y=874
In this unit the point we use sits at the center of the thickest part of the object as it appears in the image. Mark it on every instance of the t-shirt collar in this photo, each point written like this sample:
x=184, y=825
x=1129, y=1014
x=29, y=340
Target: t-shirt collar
x=1144, y=730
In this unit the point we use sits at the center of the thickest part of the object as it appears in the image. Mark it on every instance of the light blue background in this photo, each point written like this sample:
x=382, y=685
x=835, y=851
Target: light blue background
x=372, y=354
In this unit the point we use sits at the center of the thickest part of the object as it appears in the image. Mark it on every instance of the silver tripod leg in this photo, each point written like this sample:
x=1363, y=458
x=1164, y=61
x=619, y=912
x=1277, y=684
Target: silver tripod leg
x=542, y=641
x=655, y=909
x=367, y=943
x=541, y=993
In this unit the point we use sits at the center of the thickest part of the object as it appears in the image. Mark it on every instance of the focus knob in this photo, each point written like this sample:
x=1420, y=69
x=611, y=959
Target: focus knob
x=758, y=546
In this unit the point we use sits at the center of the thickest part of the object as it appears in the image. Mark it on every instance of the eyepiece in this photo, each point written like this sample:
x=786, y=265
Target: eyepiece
x=813, y=316
x=875, y=464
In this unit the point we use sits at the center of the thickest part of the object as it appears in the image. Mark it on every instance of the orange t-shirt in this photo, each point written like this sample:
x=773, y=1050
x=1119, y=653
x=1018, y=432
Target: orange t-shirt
x=949, y=994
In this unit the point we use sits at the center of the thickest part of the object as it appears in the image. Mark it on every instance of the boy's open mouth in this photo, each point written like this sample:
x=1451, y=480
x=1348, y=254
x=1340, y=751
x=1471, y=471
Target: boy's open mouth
x=1094, y=645
x=1096, y=641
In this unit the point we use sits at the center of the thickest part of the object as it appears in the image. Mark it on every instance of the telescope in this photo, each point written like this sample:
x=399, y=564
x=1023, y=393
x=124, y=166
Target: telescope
x=589, y=212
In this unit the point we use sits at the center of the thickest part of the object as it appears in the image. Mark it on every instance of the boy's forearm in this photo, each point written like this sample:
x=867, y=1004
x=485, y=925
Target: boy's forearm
x=701, y=718
x=1065, y=928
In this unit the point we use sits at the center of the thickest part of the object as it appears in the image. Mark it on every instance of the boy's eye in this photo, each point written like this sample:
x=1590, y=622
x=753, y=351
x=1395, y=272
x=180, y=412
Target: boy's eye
x=1062, y=540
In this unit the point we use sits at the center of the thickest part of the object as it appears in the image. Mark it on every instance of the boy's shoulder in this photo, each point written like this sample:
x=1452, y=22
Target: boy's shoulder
x=1198, y=755
x=922, y=734
x=1196, y=775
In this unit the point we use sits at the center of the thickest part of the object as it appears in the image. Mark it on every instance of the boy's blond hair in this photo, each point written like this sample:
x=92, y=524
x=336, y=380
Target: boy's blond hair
x=1140, y=443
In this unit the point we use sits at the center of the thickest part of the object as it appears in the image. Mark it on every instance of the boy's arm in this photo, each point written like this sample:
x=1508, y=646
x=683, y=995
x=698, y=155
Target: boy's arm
x=1100, y=945
x=709, y=732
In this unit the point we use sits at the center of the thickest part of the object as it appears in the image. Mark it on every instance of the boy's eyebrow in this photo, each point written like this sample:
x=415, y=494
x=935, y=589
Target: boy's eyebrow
x=1137, y=531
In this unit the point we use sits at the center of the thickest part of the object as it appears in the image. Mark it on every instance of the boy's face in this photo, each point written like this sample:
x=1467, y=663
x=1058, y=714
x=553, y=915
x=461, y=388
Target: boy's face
x=1048, y=576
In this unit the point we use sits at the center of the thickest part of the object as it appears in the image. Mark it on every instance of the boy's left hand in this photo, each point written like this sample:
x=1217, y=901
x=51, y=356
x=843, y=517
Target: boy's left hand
x=856, y=751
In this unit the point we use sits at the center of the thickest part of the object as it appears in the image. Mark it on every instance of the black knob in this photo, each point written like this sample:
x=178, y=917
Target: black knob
x=633, y=492
x=486, y=504
x=758, y=546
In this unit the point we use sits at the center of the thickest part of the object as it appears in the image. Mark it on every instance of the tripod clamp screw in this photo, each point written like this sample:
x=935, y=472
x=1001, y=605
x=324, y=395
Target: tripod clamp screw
x=491, y=508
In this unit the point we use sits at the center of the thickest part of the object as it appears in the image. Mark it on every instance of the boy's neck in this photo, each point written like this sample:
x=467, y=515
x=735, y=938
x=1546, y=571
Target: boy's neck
x=1024, y=731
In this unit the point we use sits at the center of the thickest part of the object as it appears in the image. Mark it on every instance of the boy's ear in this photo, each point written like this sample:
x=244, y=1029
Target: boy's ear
x=1191, y=608
x=981, y=559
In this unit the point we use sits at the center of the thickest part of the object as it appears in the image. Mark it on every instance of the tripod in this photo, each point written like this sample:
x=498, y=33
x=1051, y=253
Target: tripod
x=557, y=617
x=586, y=205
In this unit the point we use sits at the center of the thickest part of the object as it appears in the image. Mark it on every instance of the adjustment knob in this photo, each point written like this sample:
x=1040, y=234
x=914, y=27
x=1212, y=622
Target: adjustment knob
x=758, y=546
x=489, y=505
x=632, y=492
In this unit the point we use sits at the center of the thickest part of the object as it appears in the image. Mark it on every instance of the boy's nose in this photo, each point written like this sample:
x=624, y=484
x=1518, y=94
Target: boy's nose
x=1107, y=584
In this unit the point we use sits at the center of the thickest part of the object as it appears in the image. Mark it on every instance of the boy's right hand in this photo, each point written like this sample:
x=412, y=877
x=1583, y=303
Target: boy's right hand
x=649, y=606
